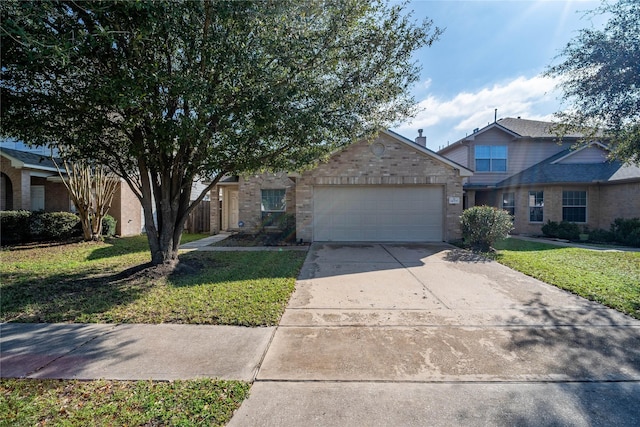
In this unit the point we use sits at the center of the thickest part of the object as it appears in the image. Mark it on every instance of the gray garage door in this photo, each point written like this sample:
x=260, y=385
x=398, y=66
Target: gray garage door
x=378, y=214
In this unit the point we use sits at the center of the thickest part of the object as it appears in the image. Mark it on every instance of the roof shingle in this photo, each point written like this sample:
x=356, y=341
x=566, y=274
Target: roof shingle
x=546, y=172
x=32, y=160
x=532, y=128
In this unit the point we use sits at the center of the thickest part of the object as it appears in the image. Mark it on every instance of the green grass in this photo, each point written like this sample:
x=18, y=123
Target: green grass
x=608, y=277
x=110, y=403
x=105, y=283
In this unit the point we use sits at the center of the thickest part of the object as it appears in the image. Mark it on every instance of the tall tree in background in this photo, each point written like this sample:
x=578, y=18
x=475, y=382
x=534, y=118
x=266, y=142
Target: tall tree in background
x=170, y=91
x=600, y=77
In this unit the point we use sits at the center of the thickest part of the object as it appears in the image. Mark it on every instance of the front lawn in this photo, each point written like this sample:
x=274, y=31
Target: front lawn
x=609, y=277
x=119, y=403
x=107, y=283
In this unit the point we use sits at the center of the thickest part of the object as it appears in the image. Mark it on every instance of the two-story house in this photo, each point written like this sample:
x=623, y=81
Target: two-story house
x=523, y=167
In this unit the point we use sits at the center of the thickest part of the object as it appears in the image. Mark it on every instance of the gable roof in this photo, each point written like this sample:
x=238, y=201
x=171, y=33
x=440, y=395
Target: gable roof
x=22, y=159
x=517, y=128
x=549, y=171
x=463, y=170
x=573, y=153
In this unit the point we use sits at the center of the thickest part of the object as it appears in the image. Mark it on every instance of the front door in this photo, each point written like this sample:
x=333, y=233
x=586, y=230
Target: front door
x=233, y=213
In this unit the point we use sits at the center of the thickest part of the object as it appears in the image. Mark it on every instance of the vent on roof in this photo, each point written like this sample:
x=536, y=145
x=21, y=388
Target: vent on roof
x=476, y=130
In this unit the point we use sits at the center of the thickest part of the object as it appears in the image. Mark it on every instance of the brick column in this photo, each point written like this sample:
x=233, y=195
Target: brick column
x=24, y=192
x=214, y=212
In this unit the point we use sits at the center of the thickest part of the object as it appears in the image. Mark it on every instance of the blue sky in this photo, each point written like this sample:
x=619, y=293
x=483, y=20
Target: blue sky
x=491, y=55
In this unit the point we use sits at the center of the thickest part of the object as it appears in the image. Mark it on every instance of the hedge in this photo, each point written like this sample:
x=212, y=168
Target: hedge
x=25, y=226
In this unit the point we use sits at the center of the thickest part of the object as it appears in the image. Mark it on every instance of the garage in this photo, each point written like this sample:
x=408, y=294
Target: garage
x=378, y=213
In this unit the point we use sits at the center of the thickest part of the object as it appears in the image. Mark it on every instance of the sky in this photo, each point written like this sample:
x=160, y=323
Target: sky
x=491, y=55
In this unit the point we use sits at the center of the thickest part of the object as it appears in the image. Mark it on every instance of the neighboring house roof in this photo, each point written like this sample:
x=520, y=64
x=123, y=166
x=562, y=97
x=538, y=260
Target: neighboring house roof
x=551, y=171
x=22, y=159
x=463, y=170
x=516, y=127
x=532, y=128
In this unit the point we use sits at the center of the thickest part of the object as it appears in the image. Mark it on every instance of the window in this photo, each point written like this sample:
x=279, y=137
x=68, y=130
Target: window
x=273, y=205
x=536, y=205
x=574, y=206
x=491, y=158
x=509, y=203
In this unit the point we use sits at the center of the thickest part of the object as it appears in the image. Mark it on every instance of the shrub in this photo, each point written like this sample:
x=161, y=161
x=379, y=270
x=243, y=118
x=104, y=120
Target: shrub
x=568, y=230
x=550, y=229
x=626, y=231
x=108, y=226
x=287, y=224
x=14, y=226
x=602, y=236
x=53, y=225
x=482, y=226
x=563, y=230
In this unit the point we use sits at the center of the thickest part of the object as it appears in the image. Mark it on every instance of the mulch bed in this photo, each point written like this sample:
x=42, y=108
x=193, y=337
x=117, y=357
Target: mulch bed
x=260, y=239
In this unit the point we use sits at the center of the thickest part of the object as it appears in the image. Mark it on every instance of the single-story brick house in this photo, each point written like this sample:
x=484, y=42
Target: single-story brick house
x=30, y=181
x=392, y=189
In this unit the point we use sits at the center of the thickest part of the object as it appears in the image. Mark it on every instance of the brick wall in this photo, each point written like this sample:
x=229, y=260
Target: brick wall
x=618, y=201
x=56, y=197
x=604, y=204
x=21, y=183
x=250, y=196
x=399, y=164
x=214, y=213
x=127, y=211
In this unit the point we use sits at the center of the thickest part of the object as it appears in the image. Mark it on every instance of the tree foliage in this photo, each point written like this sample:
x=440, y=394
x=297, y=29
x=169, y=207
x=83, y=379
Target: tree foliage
x=163, y=92
x=600, y=77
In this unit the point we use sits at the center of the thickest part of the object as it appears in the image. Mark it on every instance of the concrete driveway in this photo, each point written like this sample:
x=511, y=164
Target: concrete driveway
x=413, y=335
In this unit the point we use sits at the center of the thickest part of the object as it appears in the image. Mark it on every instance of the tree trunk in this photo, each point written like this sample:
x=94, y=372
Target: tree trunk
x=85, y=220
x=96, y=226
x=164, y=241
x=170, y=194
x=165, y=230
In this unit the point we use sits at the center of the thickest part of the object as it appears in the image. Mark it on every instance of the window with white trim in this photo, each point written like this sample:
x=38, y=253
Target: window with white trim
x=536, y=206
x=491, y=158
x=509, y=203
x=574, y=206
x=273, y=205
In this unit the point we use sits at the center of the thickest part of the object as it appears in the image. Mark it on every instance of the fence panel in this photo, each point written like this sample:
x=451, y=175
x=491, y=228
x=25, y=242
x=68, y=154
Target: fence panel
x=199, y=220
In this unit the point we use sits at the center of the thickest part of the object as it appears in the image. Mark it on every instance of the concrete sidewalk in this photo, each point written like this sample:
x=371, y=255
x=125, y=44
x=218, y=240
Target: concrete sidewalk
x=204, y=243
x=131, y=352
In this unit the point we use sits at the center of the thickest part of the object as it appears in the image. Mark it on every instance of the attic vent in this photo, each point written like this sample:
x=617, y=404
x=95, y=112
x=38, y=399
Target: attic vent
x=476, y=130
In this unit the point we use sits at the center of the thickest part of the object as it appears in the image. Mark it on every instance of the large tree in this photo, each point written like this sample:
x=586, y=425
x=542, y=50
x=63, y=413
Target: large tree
x=600, y=77
x=166, y=91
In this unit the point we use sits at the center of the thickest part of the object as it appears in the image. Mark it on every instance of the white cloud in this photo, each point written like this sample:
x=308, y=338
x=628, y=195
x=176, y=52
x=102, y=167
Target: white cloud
x=447, y=120
x=425, y=84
